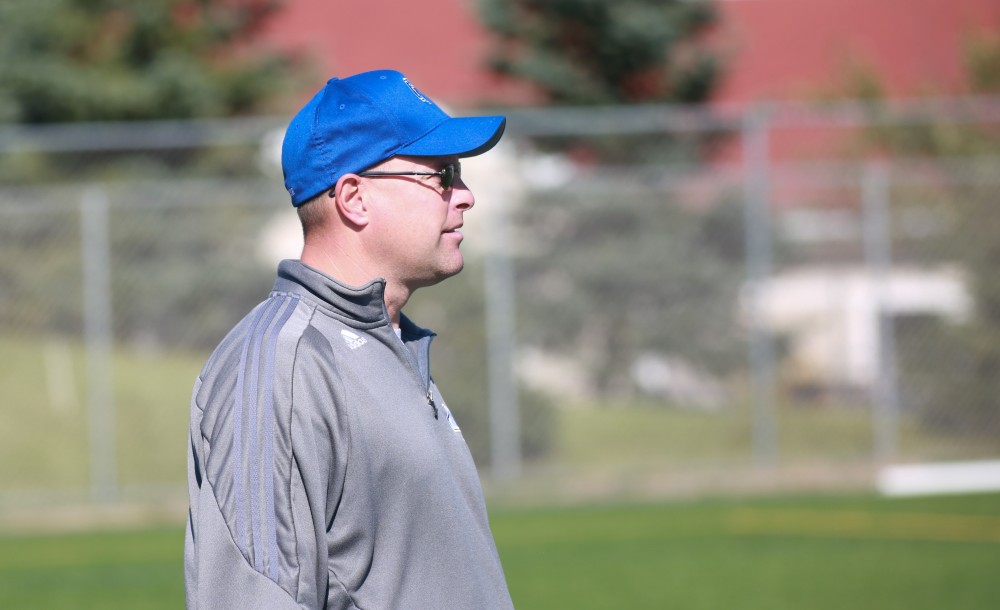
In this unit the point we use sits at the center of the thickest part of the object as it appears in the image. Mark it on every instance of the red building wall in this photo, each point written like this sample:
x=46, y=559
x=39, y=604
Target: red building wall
x=795, y=49
x=773, y=49
x=438, y=44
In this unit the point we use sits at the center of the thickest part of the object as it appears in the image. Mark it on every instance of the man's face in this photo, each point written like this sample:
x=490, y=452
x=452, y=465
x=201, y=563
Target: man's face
x=415, y=222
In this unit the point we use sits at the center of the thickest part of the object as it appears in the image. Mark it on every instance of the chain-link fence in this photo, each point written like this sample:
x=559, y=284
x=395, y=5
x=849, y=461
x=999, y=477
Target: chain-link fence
x=656, y=301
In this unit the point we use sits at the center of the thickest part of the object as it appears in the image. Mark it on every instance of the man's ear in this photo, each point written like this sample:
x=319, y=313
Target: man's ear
x=350, y=200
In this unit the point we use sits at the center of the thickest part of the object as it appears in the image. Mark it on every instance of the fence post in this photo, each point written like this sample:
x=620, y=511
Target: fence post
x=505, y=426
x=878, y=258
x=96, y=254
x=757, y=224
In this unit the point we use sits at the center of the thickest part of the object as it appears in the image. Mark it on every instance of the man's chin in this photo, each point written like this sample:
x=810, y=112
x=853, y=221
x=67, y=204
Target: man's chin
x=442, y=274
x=452, y=271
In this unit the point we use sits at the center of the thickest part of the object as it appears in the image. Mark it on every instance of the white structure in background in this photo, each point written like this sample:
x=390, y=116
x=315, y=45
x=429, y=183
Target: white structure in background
x=282, y=237
x=556, y=374
x=678, y=381
x=940, y=478
x=831, y=315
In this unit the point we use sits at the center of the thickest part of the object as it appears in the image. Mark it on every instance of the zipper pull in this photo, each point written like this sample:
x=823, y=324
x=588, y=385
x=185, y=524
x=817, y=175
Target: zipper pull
x=430, y=401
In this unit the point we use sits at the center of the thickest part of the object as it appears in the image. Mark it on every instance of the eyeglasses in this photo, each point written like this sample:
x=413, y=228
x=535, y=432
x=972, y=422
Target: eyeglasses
x=448, y=174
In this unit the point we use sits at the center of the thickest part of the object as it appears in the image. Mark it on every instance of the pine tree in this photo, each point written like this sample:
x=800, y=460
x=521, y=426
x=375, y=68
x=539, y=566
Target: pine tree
x=92, y=60
x=603, y=52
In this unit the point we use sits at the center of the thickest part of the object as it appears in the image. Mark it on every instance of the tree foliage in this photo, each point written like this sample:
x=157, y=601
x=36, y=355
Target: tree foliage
x=950, y=372
x=601, y=52
x=642, y=274
x=92, y=60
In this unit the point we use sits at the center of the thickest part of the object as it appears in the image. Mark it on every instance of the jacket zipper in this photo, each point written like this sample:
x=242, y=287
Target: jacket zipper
x=424, y=378
x=430, y=401
x=427, y=377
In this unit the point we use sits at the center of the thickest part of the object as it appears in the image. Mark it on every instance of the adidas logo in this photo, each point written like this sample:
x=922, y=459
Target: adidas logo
x=353, y=341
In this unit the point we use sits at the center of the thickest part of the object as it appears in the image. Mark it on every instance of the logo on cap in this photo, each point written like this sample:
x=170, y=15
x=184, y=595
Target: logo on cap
x=416, y=92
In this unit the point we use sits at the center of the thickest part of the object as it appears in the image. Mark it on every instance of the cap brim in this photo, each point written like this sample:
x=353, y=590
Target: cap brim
x=458, y=136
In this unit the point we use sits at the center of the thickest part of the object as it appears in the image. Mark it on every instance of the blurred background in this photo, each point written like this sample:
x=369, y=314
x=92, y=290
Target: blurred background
x=734, y=252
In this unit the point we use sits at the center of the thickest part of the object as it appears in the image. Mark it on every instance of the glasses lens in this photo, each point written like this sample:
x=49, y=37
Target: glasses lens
x=448, y=176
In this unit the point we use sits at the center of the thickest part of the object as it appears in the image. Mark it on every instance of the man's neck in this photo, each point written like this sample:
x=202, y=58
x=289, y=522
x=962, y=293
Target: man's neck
x=396, y=297
x=349, y=271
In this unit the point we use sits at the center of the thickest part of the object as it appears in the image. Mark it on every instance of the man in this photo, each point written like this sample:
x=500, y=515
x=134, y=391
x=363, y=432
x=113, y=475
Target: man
x=325, y=469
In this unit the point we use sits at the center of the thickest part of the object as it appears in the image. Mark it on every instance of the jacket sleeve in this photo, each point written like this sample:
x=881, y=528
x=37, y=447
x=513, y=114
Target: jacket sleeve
x=266, y=467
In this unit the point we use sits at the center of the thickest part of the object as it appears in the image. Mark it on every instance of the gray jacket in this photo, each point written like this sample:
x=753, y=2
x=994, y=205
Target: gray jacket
x=325, y=470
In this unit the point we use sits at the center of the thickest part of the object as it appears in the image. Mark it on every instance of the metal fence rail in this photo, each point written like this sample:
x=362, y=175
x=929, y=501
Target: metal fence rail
x=747, y=278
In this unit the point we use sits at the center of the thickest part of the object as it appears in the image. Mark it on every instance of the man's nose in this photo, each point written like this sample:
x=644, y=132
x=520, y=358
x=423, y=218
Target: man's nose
x=461, y=196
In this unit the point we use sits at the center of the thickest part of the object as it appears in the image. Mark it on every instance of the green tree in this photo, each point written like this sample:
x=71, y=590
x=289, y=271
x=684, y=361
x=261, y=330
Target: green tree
x=609, y=280
x=109, y=60
x=601, y=52
x=94, y=60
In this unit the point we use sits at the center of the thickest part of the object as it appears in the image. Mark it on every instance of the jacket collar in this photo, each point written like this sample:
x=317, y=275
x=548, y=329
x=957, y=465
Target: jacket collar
x=361, y=305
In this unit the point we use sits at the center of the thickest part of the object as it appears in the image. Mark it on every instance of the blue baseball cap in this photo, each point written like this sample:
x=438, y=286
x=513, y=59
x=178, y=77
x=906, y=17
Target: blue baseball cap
x=357, y=122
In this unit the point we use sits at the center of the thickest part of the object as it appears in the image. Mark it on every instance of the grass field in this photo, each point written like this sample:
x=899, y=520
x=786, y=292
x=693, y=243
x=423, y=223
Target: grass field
x=795, y=553
x=767, y=554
